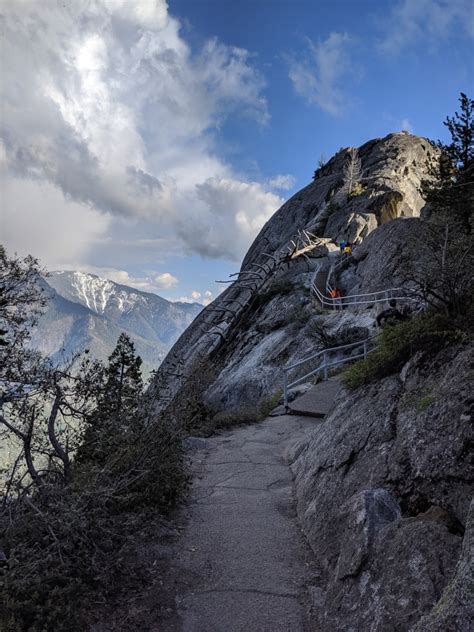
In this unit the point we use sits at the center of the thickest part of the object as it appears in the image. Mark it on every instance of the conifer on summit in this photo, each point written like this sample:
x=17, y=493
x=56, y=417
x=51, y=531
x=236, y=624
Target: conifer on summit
x=450, y=190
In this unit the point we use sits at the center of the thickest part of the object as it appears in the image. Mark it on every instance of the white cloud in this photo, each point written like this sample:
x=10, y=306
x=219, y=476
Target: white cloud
x=193, y=298
x=116, y=112
x=415, y=22
x=406, y=126
x=319, y=77
x=207, y=297
x=282, y=182
x=36, y=218
x=166, y=281
x=225, y=217
x=148, y=14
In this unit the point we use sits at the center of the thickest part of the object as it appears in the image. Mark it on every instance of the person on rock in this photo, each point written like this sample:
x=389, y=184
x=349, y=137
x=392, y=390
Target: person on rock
x=347, y=249
x=336, y=295
x=342, y=245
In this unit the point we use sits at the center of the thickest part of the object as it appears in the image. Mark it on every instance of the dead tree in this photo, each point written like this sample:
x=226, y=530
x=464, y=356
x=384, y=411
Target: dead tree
x=352, y=175
x=244, y=285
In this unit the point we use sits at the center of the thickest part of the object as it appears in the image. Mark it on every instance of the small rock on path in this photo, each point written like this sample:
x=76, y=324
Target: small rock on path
x=242, y=551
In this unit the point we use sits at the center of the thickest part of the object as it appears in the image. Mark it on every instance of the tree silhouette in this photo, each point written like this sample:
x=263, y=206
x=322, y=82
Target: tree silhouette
x=461, y=128
x=117, y=410
x=450, y=189
x=352, y=175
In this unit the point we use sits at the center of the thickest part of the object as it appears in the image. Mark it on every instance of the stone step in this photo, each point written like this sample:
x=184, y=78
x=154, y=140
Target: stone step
x=318, y=401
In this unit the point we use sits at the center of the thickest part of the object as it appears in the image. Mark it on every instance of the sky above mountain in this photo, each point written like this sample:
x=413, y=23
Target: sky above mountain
x=148, y=142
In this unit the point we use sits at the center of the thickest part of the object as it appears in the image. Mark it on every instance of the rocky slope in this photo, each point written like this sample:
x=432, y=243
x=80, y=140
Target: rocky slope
x=398, y=457
x=384, y=484
x=86, y=311
x=392, y=170
x=267, y=318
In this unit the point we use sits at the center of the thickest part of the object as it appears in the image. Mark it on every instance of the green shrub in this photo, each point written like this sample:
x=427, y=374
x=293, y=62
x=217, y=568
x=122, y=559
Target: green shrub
x=399, y=342
x=267, y=404
x=419, y=399
x=229, y=418
x=79, y=547
x=424, y=402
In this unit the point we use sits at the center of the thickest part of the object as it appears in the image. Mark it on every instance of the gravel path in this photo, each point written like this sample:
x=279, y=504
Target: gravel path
x=242, y=549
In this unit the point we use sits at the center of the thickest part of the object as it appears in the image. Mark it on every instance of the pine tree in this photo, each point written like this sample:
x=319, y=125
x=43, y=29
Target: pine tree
x=450, y=190
x=116, y=416
x=461, y=128
x=123, y=380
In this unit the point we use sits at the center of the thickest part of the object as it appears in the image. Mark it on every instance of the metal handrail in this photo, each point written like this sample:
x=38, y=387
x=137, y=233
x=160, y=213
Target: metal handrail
x=329, y=349
x=345, y=301
x=325, y=366
x=369, y=298
x=333, y=267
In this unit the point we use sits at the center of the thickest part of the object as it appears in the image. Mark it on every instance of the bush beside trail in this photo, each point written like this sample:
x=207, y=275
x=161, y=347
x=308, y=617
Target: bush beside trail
x=93, y=477
x=79, y=549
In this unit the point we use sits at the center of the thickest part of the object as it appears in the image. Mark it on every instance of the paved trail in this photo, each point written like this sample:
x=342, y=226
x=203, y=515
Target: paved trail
x=242, y=547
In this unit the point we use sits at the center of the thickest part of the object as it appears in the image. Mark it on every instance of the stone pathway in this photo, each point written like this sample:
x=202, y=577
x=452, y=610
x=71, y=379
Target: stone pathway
x=318, y=401
x=242, y=550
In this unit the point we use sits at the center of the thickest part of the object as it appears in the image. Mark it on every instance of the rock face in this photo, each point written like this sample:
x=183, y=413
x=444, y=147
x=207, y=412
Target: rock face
x=384, y=258
x=455, y=609
x=397, y=457
x=384, y=484
x=392, y=170
x=258, y=325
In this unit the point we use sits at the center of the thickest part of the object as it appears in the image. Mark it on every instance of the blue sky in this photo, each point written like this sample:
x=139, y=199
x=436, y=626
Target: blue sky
x=416, y=80
x=149, y=141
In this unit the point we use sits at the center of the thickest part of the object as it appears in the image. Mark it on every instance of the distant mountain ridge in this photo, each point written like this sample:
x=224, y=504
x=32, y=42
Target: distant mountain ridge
x=86, y=311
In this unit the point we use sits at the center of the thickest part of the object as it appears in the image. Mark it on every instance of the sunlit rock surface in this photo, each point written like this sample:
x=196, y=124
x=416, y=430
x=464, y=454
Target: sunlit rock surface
x=246, y=340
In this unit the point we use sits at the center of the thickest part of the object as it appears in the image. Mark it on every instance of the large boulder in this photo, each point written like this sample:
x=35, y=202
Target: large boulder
x=383, y=492
x=386, y=258
x=390, y=187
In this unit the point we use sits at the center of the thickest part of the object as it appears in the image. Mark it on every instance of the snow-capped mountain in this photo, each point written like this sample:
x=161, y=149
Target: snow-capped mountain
x=88, y=312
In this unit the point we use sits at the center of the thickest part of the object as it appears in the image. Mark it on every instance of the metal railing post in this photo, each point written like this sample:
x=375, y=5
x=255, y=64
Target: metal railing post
x=324, y=366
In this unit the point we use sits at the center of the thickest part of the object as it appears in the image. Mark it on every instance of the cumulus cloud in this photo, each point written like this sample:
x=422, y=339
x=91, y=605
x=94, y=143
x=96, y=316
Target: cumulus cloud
x=319, y=77
x=207, y=297
x=36, y=218
x=412, y=22
x=282, y=182
x=105, y=102
x=194, y=297
x=166, y=281
x=226, y=216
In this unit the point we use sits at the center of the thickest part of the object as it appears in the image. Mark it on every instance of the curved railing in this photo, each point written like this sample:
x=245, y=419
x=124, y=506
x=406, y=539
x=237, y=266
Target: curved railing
x=334, y=266
x=370, y=298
